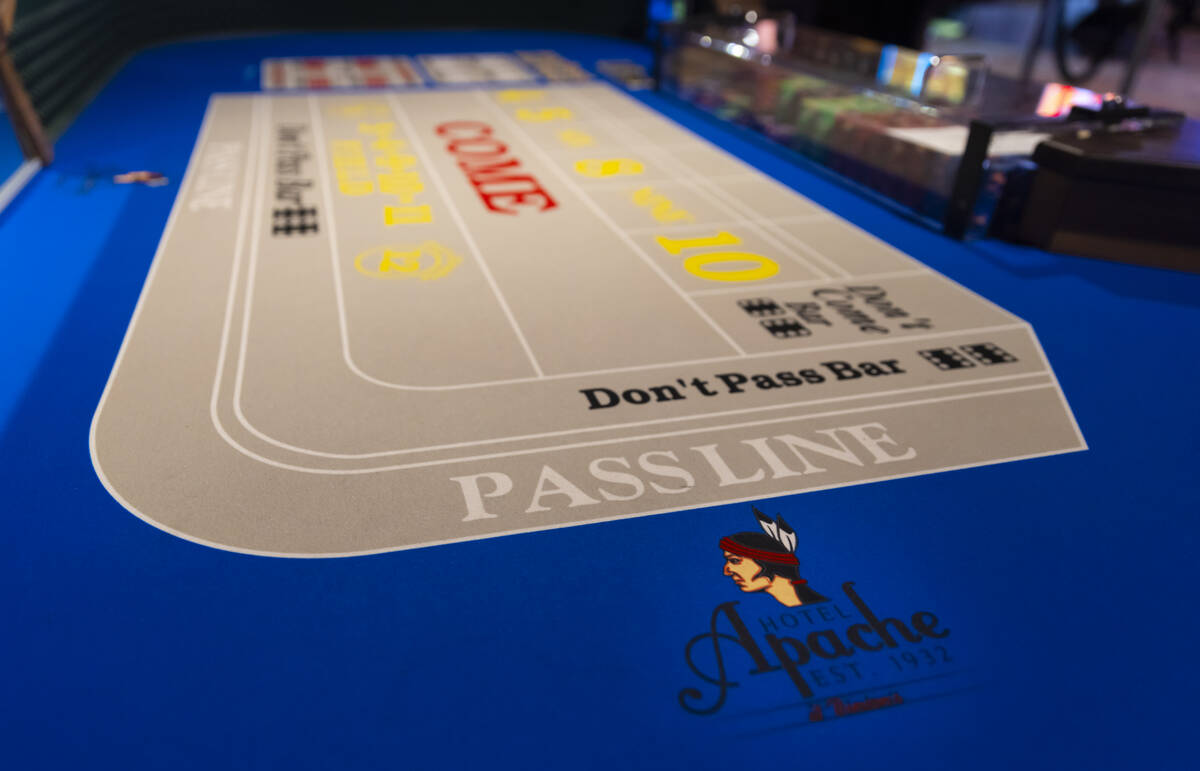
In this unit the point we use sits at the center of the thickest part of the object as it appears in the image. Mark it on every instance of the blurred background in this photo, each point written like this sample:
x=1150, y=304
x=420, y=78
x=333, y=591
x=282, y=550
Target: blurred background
x=935, y=66
x=65, y=49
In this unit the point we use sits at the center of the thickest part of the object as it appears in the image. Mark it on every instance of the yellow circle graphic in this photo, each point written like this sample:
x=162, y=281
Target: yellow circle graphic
x=425, y=261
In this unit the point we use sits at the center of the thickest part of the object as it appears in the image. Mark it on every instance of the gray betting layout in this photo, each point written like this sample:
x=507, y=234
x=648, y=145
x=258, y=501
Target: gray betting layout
x=379, y=321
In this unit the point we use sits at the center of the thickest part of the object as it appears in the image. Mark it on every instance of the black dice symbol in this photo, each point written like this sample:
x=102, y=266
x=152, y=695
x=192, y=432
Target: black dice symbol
x=761, y=306
x=988, y=353
x=785, y=328
x=945, y=358
x=289, y=222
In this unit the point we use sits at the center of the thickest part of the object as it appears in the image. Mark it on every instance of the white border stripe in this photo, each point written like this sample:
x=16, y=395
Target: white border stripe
x=19, y=179
x=254, y=145
x=607, y=220
x=540, y=528
x=439, y=183
x=616, y=440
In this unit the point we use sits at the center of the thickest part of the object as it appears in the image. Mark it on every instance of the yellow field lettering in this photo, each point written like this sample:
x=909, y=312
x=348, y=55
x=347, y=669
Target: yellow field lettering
x=407, y=215
x=396, y=163
x=719, y=265
x=575, y=138
x=389, y=146
x=518, y=95
x=763, y=267
x=383, y=129
x=543, y=114
x=608, y=167
x=363, y=110
x=397, y=175
x=677, y=245
x=403, y=185
x=350, y=167
x=661, y=208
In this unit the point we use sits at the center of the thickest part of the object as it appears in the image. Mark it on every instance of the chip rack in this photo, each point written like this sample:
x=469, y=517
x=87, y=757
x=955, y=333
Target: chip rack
x=936, y=136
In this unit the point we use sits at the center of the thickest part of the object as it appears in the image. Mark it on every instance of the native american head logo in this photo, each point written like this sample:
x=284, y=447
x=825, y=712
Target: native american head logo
x=766, y=562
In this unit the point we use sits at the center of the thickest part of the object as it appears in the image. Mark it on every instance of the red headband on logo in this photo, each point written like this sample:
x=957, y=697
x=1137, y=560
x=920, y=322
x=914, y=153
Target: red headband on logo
x=759, y=555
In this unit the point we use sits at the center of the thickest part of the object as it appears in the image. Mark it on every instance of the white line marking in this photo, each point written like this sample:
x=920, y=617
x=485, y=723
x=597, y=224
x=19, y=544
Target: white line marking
x=255, y=201
x=774, y=224
x=721, y=199
x=318, y=134
x=238, y=388
x=602, y=183
x=811, y=250
x=703, y=186
x=185, y=187
x=19, y=178
x=976, y=295
x=173, y=218
x=765, y=288
x=634, y=368
x=247, y=311
x=335, y=260
x=635, y=424
x=597, y=520
x=440, y=185
x=1062, y=396
x=701, y=223
x=353, y=456
x=483, y=384
x=331, y=237
x=616, y=440
x=262, y=155
x=751, y=171
x=359, y=372
x=603, y=215
x=616, y=426
x=570, y=153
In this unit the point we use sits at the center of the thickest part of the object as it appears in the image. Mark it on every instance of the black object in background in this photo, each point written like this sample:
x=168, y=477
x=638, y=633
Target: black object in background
x=1131, y=197
x=625, y=18
x=901, y=22
x=65, y=49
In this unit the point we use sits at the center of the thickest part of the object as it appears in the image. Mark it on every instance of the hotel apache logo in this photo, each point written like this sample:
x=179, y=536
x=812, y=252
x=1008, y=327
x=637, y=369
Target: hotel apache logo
x=871, y=654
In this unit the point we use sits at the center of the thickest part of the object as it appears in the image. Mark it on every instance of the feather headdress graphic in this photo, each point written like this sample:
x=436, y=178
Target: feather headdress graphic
x=766, y=562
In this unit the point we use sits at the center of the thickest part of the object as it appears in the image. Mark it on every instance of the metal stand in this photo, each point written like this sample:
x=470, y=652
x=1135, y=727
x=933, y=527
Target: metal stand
x=26, y=123
x=1140, y=44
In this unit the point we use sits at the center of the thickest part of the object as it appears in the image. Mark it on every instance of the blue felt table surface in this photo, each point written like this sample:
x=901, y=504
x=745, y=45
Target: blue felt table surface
x=1066, y=581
